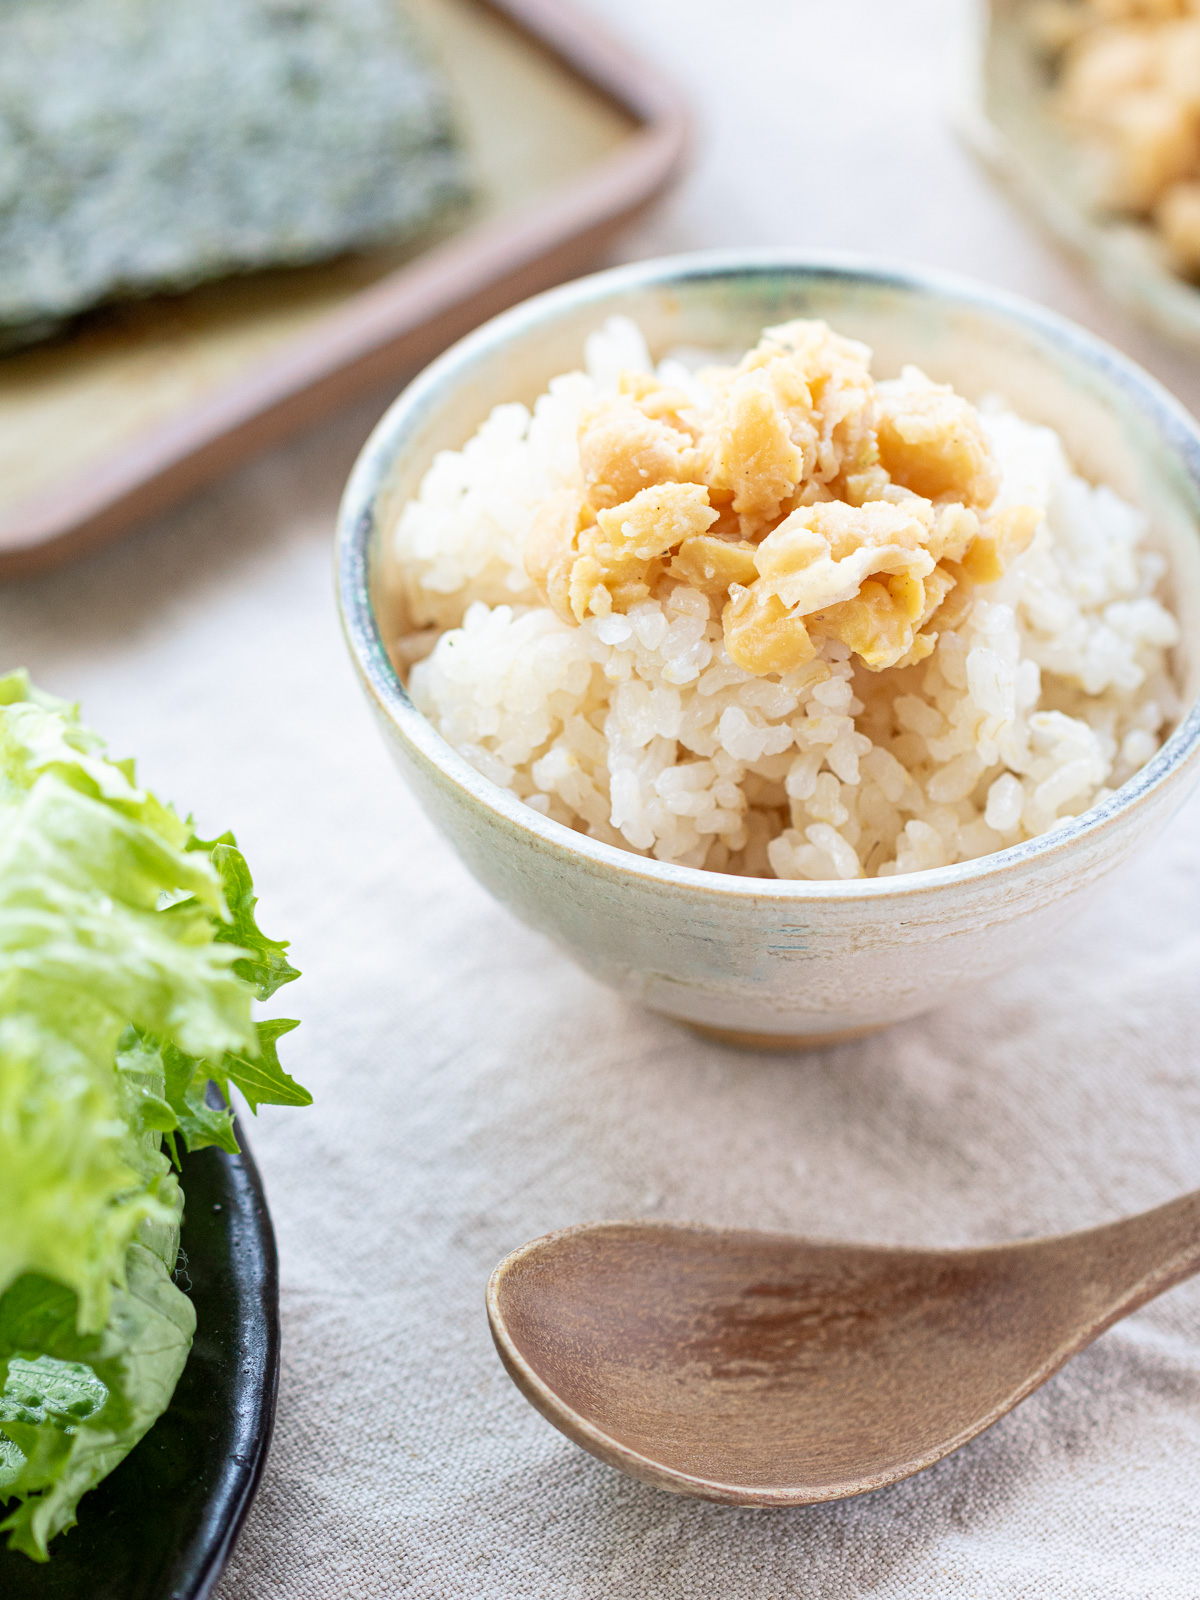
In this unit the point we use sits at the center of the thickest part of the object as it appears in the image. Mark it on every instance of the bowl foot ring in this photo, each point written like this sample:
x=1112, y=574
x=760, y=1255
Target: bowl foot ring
x=743, y=1040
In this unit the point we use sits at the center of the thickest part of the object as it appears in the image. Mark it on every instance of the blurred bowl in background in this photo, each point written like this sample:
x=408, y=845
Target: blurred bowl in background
x=1005, y=114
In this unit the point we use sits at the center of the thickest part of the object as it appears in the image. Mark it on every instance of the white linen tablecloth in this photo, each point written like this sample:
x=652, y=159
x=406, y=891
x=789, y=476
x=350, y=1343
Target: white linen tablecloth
x=474, y=1089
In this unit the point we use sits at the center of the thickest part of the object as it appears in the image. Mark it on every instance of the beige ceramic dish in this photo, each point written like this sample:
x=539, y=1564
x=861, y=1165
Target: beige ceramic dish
x=766, y=961
x=1006, y=115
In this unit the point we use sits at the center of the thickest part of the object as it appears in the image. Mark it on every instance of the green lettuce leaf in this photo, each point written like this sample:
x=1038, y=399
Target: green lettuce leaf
x=129, y=961
x=73, y=1411
x=263, y=963
x=256, y=1072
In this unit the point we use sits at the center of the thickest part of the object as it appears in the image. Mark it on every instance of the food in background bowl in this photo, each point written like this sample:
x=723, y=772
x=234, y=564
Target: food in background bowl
x=1128, y=85
x=776, y=618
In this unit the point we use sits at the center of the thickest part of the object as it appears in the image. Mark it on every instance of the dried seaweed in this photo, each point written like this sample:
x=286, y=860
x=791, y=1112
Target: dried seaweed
x=148, y=145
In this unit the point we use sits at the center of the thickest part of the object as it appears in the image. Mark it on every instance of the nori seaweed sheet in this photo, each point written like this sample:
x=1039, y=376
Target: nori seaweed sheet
x=148, y=145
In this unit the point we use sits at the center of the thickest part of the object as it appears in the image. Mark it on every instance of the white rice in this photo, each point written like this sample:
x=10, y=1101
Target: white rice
x=638, y=729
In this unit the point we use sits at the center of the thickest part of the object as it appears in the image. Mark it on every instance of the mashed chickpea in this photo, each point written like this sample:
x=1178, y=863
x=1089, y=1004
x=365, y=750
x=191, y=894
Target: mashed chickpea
x=809, y=503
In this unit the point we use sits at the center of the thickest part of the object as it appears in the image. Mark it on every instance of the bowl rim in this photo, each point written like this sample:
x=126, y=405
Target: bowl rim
x=382, y=683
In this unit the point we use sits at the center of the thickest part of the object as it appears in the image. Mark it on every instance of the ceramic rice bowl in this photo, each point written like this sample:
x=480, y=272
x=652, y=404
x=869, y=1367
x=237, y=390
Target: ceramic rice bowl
x=754, y=960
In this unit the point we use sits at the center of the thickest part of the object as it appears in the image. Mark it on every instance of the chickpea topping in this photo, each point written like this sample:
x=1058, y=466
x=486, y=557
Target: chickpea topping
x=621, y=450
x=595, y=567
x=752, y=454
x=798, y=412
x=711, y=564
x=550, y=551
x=806, y=500
x=993, y=552
x=931, y=441
x=865, y=575
x=762, y=635
x=653, y=399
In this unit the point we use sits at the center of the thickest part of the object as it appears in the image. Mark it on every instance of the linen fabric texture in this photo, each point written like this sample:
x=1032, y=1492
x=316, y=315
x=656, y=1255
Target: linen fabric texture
x=474, y=1089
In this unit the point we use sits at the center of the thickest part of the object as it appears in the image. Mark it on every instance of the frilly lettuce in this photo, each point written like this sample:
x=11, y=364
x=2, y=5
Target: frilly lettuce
x=129, y=959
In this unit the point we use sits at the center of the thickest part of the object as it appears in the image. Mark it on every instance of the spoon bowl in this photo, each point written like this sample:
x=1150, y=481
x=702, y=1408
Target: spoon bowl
x=764, y=1369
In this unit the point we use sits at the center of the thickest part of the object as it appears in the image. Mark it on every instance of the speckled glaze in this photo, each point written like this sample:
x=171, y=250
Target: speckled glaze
x=764, y=961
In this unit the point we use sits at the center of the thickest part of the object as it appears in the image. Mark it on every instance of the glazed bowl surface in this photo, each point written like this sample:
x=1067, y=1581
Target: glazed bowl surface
x=768, y=961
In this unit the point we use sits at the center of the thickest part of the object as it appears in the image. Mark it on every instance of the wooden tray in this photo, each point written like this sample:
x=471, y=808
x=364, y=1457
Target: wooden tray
x=569, y=136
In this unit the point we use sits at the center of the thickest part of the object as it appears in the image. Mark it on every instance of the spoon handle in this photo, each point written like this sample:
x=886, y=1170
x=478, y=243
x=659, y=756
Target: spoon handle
x=1137, y=1258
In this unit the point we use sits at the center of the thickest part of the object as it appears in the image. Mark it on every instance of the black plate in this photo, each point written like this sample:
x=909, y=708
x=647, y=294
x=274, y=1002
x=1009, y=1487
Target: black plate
x=162, y=1525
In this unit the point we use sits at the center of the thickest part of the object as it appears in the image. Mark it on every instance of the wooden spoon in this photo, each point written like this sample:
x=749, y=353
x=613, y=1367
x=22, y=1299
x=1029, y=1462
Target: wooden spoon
x=762, y=1369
